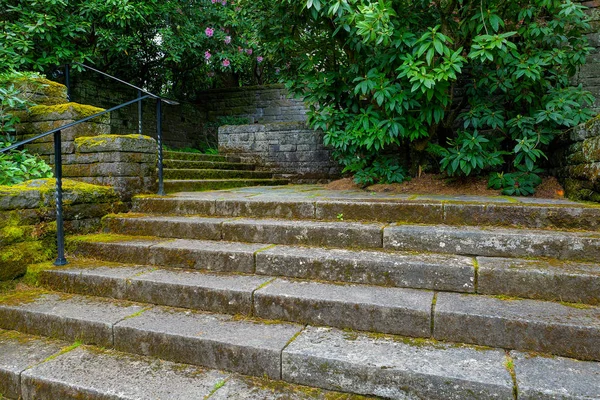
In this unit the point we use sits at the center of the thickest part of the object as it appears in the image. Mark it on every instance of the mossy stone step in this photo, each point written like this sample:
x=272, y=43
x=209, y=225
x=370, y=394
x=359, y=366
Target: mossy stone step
x=33, y=367
x=192, y=185
x=471, y=241
x=181, y=155
x=184, y=164
x=543, y=279
x=310, y=202
x=215, y=174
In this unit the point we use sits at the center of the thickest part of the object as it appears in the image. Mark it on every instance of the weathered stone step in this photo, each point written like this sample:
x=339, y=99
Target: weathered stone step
x=181, y=155
x=494, y=242
x=329, y=234
x=544, y=279
x=192, y=174
x=571, y=330
x=370, y=308
x=398, y=368
x=35, y=368
x=211, y=340
x=490, y=242
x=186, y=164
x=193, y=185
x=299, y=205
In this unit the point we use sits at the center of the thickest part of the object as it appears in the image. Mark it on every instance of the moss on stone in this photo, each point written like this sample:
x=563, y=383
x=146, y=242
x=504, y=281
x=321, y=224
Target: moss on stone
x=15, y=258
x=81, y=110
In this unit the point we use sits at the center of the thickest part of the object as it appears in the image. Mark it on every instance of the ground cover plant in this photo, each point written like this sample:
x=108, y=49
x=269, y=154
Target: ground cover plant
x=478, y=87
x=17, y=166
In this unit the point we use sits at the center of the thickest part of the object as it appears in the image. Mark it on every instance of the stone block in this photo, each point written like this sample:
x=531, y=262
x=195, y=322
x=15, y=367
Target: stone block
x=367, y=308
x=528, y=325
x=18, y=352
x=210, y=340
x=424, y=271
x=65, y=317
x=329, y=234
x=425, y=213
x=395, y=369
x=116, y=143
x=540, y=279
x=171, y=226
x=95, y=374
x=545, y=378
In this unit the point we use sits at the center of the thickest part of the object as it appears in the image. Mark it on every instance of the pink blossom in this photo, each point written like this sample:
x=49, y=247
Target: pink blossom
x=224, y=2
x=213, y=1
x=259, y=59
x=209, y=32
x=227, y=39
x=249, y=52
x=226, y=62
x=207, y=55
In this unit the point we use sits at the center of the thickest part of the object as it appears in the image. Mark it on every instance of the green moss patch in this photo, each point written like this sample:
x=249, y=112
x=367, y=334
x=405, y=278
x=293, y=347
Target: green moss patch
x=66, y=111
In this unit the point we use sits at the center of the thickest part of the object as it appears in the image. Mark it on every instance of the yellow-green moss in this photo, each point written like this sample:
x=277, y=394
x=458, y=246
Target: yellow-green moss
x=48, y=185
x=82, y=110
x=15, y=258
x=99, y=140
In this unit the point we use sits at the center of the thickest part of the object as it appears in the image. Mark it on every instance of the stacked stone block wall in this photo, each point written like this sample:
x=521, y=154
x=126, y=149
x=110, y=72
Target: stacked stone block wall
x=288, y=149
x=90, y=153
x=589, y=75
x=28, y=215
x=577, y=161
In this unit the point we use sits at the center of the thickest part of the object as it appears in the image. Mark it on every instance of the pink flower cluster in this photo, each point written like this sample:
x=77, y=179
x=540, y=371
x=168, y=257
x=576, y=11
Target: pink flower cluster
x=224, y=2
x=209, y=32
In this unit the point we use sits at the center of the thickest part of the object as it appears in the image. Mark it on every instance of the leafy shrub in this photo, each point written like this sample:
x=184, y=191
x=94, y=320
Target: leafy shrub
x=485, y=85
x=19, y=166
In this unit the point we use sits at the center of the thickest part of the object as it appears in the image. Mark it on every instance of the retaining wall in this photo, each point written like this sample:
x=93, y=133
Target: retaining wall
x=289, y=149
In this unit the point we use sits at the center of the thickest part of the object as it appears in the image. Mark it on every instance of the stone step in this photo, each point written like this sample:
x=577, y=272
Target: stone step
x=191, y=174
x=314, y=204
x=181, y=155
x=494, y=242
x=473, y=241
x=186, y=164
x=544, y=279
x=195, y=185
x=399, y=368
x=369, y=308
x=566, y=329
x=36, y=368
x=393, y=367
x=312, y=233
x=217, y=341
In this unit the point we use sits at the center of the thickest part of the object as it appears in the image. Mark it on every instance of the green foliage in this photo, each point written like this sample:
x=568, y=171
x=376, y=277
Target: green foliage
x=519, y=183
x=168, y=46
x=382, y=77
x=19, y=166
x=14, y=97
x=228, y=120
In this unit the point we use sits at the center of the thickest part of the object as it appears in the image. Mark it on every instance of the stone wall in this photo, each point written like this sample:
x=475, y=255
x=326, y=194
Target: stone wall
x=181, y=123
x=27, y=215
x=190, y=125
x=289, y=149
x=589, y=75
x=577, y=162
x=259, y=104
x=90, y=153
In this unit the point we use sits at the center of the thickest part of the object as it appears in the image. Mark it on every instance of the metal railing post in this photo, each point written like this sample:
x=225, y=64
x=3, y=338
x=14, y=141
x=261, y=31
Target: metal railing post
x=140, y=112
x=161, y=186
x=60, y=229
x=68, y=82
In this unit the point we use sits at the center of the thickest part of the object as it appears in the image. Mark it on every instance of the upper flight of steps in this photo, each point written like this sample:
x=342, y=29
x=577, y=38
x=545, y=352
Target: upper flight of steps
x=196, y=172
x=393, y=297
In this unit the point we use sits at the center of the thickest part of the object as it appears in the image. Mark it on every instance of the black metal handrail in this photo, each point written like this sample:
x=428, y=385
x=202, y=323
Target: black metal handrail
x=60, y=232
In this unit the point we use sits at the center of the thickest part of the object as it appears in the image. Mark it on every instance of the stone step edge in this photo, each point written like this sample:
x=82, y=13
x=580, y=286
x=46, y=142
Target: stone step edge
x=419, y=317
x=490, y=276
x=447, y=239
x=535, y=216
x=48, y=351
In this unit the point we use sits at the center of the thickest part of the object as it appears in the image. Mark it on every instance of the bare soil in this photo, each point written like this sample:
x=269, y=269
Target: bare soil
x=442, y=185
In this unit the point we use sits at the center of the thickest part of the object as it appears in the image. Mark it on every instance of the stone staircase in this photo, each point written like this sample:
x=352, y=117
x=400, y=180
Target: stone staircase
x=197, y=172
x=399, y=297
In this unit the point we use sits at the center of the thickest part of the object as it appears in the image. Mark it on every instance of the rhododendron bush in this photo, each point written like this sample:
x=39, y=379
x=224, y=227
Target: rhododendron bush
x=468, y=87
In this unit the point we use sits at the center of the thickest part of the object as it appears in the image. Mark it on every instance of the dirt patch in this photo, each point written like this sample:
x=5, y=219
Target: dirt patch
x=442, y=185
